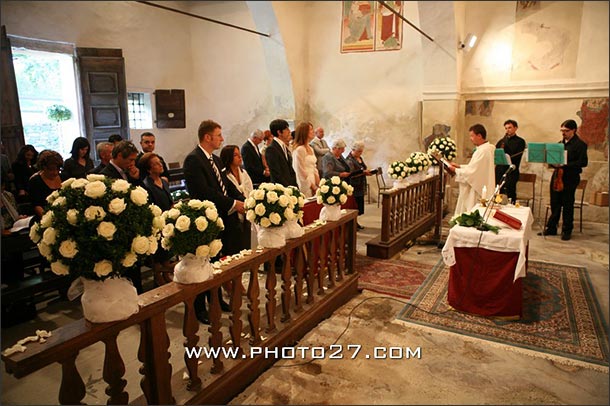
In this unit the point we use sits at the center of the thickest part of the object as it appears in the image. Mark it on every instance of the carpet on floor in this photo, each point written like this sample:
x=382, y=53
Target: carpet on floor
x=391, y=277
x=561, y=320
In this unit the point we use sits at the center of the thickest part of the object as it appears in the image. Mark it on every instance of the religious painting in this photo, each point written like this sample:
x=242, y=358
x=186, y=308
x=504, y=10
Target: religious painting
x=479, y=107
x=594, y=128
x=369, y=26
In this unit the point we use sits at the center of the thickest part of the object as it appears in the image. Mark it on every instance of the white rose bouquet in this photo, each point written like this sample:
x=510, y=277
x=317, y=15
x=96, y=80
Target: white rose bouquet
x=445, y=146
x=333, y=191
x=418, y=162
x=399, y=170
x=97, y=227
x=297, y=201
x=270, y=205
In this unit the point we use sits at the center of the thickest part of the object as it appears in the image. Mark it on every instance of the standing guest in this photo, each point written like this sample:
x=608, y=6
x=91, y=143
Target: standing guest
x=206, y=181
x=115, y=139
x=79, y=163
x=333, y=163
x=478, y=173
x=23, y=169
x=514, y=146
x=278, y=156
x=123, y=163
x=253, y=159
x=232, y=162
x=304, y=160
x=46, y=181
x=564, y=181
x=104, y=151
x=157, y=187
x=147, y=142
x=320, y=147
x=359, y=173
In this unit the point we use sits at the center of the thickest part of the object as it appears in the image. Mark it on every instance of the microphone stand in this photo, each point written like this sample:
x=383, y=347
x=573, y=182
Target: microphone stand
x=492, y=201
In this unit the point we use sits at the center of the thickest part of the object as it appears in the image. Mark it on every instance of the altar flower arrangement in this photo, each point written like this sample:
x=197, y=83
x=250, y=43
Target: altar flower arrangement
x=292, y=227
x=190, y=231
x=445, y=146
x=418, y=161
x=398, y=170
x=269, y=207
x=332, y=193
x=473, y=219
x=96, y=228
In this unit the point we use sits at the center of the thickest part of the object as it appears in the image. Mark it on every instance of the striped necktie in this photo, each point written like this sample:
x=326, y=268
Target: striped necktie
x=218, y=177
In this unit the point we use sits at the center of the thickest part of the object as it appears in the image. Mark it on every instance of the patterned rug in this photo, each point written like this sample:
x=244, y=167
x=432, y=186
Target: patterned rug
x=562, y=319
x=391, y=277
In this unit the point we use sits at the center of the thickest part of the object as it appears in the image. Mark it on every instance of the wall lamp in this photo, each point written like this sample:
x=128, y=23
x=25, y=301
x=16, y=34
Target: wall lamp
x=469, y=42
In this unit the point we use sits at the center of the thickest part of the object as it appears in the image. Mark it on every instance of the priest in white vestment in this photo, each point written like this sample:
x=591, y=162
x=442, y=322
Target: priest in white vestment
x=477, y=174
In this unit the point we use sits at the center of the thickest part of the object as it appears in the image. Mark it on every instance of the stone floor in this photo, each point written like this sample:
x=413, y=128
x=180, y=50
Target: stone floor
x=451, y=370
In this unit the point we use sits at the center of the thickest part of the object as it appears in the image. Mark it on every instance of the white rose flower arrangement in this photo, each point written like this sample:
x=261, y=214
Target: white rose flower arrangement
x=271, y=205
x=97, y=228
x=418, y=162
x=399, y=170
x=445, y=146
x=333, y=191
x=192, y=227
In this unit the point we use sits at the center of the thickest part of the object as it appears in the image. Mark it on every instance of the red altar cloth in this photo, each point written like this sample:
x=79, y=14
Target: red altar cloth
x=311, y=210
x=482, y=283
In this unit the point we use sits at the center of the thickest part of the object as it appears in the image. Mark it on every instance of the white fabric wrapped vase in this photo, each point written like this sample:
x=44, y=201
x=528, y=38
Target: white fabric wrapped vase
x=193, y=269
x=401, y=183
x=292, y=229
x=271, y=237
x=330, y=212
x=112, y=299
x=433, y=170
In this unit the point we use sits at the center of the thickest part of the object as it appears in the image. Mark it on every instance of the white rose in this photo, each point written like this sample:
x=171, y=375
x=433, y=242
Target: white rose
x=220, y=223
x=106, y=229
x=272, y=197
x=59, y=268
x=195, y=204
x=94, y=212
x=66, y=183
x=211, y=213
x=51, y=198
x=49, y=236
x=117, y=205
x=155, y=210
x=250, y=202
x=178, y=205
x=301, y=201
x=250, y=215
x=259, y=194
x=350, y=190
x=139, y=245
x=44, y=249
x=265, y=222
x=284, y=200
x=173, y=213
x=335, y=180
x=158, y=223
x=275, y=218
x=153, y=245
x=35, y=232
x=202, y=251
x=331, y=200
x=129, y=260
x=68, y=248
x=319, y=199
x=343, y=199
x=72, y=216
x=60, y=201
x=215, y=247
x=79, y=183
x=289, y=191
x=139, y=196
x=95, y=189
x=120, y=186
x=201, y=223
x=324, y=189
x=183, y=223
x=295, y=200
x=260, y=209
x=322, y=181
x=336, y=190
x=92, y=177
x=47, y=219
x=289, y=214
x=168, y=230
x=102, y=268
x=165, y=244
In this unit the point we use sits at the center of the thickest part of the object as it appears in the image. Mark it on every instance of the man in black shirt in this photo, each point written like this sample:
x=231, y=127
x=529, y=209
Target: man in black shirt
x=514, y=146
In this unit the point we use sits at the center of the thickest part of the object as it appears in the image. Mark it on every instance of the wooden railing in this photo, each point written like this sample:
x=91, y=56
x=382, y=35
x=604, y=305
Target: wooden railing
x=405, y=215
x=317, y=277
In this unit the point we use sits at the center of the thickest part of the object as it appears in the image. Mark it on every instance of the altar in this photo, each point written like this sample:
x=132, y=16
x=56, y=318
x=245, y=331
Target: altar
x=486, y=269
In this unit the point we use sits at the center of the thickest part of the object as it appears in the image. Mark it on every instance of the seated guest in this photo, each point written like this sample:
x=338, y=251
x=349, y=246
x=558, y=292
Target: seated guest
x=9, y=208
x=333, y=163
x=104, y=152
x=79, y=163
x=23, y=169
x=253, y=159
x=123, y=163
x=46, y=181
x=360, y=171
x=157, y=187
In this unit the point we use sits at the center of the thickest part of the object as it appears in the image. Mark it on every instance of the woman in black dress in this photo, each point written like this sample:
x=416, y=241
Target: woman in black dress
x=46, y=181
x=23, y=169
x=80, y=163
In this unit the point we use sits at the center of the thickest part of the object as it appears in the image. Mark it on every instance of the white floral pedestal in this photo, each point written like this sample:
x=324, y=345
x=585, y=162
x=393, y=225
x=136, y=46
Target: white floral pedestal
x=193, y=269
x=330, y=212
x=292, y=229
x=271, y=237
x=112, y=299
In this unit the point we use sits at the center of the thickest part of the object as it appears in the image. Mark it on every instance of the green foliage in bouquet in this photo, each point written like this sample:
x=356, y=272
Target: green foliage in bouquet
x=333, y=191
x=97, y=227
x=473, y=219
x=58, y=113
x=192, y=228
x=399, y=170
x=270, y=205
x=418, y=162
x=445, y=146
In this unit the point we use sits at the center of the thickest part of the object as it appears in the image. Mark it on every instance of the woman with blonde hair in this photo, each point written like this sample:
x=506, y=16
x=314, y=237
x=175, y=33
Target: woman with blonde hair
x=304, y=160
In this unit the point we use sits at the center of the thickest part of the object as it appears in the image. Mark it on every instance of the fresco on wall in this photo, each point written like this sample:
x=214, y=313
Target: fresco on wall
x=594, y=127
x=479, y=108
x=368, y=26
x=545, y=44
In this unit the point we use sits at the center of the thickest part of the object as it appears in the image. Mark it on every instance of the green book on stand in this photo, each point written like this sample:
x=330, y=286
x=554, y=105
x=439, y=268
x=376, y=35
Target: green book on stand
x=555, y=154
x=536, y=152
x=501, y=158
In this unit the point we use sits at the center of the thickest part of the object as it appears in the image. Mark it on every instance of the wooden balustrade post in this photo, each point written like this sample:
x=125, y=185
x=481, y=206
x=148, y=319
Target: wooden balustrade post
x=254, y=315
x=72, y=388
x=286, y=288
x=215, y=340
x=312, y=260
x=236, y=323
x=114, y=369
x=154, y=355
x=190, y=328
x=299, y=266
x=271, y=303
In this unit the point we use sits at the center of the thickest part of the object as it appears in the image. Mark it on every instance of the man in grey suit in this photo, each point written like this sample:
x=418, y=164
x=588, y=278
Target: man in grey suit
x=320, y=147
x=253, y=161
x=279, y=158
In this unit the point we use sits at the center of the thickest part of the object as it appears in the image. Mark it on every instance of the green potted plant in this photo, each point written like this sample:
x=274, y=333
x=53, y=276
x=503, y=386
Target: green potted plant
x=58, y=113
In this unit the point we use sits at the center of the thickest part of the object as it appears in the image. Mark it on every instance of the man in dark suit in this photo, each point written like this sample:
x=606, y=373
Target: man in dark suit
x=205, y=181
x=253, y=160
x=104, y=153
x=122, y=166
x=147, y=142
x=278, y=155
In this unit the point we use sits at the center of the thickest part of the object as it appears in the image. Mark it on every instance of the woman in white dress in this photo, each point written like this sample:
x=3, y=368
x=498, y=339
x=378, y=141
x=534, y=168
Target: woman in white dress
x=304, y=160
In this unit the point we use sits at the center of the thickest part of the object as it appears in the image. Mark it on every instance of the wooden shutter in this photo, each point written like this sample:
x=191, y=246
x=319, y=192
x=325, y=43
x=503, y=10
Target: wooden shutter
x=170, y=108
x=104, y=94
x=12, y=128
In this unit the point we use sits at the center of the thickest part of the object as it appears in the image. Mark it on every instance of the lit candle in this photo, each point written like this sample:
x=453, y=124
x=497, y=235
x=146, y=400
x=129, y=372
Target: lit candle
x=484, y=192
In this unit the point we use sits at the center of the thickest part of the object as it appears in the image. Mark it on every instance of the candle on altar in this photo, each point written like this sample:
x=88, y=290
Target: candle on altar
x=484, y=192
